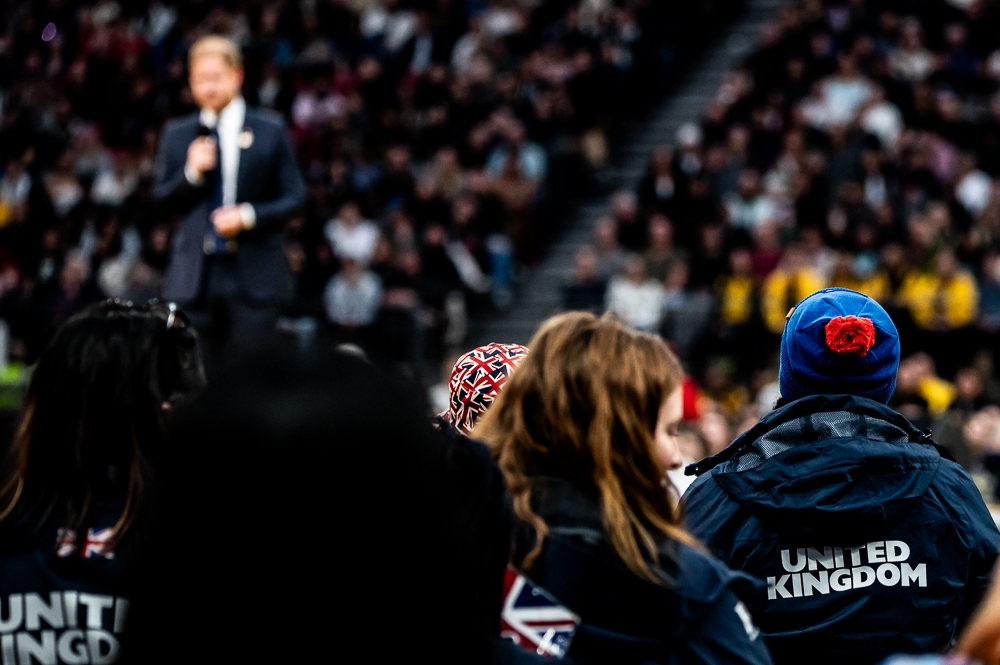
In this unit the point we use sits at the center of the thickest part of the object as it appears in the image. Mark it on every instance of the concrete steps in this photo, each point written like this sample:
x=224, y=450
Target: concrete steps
x=539, y=295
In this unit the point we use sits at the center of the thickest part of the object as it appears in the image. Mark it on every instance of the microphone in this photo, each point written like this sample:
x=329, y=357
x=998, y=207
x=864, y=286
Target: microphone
x=207, y=123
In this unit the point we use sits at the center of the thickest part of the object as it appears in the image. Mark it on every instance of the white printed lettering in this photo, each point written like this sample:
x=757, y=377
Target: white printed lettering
x=95, y=607
x=97, y=640
x=7, y=654
x=777, y=587
x=28, y=648
x=862, y=576
x=918, y=574
x=121, y=614
x=15, y=614
x=822, y=570
x=821, y=584
x=840, y=579
x=888, y=574
x=815, y=557
x=896, y=550
x=69, y=604
x=800, y=560
x=35, y=608
x=72, y=649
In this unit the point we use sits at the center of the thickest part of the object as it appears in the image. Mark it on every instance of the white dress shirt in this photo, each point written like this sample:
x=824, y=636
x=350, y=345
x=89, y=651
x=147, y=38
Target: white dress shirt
x=228, y=125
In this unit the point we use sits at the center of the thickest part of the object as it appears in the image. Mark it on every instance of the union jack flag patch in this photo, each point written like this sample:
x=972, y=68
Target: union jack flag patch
x=96, y=544
x=533, y=619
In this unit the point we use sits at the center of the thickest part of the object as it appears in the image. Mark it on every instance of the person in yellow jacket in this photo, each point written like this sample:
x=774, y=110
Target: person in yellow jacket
x=851, y=273
x=946, y=299
x=789, y=283
x=736, y=330
x=944, y=305
x=737, y=290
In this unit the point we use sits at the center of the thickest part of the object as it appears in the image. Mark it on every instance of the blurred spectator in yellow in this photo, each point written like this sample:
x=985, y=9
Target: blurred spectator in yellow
x=792, y=281
x=849, y=272
x=921, y=395
x=736, y=330
x=945, y=299
x=944, y=305
x=736, y=289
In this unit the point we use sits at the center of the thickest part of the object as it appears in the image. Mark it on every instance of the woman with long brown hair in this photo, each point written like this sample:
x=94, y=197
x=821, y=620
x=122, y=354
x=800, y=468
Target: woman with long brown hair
x=584, y=433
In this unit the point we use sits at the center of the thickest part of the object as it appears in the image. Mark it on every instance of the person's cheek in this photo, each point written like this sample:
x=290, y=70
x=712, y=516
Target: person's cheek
x=672, y=458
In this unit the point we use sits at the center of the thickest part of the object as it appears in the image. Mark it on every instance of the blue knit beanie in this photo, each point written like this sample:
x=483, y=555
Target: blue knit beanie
x=842, y=342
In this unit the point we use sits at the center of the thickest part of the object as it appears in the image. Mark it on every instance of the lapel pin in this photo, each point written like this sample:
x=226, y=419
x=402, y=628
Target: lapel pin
x=246, y=139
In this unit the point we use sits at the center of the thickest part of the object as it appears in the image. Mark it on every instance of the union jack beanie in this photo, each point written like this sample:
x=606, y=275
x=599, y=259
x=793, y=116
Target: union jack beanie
x=476, y=379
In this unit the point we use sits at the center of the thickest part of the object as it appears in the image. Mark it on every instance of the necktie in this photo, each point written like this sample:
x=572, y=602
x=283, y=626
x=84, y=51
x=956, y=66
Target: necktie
x=219, y=244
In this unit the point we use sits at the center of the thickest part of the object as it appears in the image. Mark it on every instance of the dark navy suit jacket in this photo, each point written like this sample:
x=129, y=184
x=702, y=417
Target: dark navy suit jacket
x=268, y=178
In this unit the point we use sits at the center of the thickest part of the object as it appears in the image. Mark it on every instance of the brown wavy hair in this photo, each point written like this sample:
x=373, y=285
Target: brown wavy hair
x=583, y=406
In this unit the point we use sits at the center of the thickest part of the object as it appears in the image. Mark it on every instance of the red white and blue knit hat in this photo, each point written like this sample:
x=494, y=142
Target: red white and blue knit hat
x=477, y=379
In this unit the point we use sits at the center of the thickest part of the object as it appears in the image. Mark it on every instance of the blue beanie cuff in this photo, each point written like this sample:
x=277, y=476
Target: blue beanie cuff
x=791, y=389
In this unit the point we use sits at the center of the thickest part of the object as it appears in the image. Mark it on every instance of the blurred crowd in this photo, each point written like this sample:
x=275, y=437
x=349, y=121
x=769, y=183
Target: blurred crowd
x=438, y=139
x=857, y=147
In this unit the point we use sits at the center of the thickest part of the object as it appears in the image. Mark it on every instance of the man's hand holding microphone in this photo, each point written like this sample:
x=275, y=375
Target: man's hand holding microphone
x=202, y=157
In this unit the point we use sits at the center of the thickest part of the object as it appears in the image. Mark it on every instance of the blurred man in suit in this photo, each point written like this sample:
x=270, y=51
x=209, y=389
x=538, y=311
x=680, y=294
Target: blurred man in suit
x=230, y=172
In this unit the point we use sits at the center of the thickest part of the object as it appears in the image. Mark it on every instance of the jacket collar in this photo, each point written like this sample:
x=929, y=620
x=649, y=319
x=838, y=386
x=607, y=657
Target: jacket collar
x=572, y=513
x=560, y=502
x=810, y=405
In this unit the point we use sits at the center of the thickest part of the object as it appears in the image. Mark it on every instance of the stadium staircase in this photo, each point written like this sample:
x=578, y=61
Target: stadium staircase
x=539, y=295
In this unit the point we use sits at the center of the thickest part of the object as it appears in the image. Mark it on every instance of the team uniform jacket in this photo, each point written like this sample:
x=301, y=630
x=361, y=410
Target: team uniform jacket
x=695, y=616
x=64, y=597
x=871, y=539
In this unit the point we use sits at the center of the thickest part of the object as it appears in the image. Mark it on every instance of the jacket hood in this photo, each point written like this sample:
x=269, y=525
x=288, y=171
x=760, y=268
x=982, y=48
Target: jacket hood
x=847, y=463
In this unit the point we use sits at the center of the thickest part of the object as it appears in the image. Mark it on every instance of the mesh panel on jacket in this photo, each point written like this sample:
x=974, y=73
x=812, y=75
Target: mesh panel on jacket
x=812, y=428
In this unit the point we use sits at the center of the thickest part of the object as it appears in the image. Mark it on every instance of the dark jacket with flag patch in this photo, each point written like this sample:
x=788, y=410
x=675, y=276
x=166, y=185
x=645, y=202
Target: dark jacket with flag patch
x=695, y=616
x=872, y=540
x=64, y=596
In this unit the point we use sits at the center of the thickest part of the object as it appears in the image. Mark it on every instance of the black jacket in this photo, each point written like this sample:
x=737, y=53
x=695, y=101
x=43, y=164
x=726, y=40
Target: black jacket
x=61, y=596
x=695, y=616
x=478, y=587
x=872, y=540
